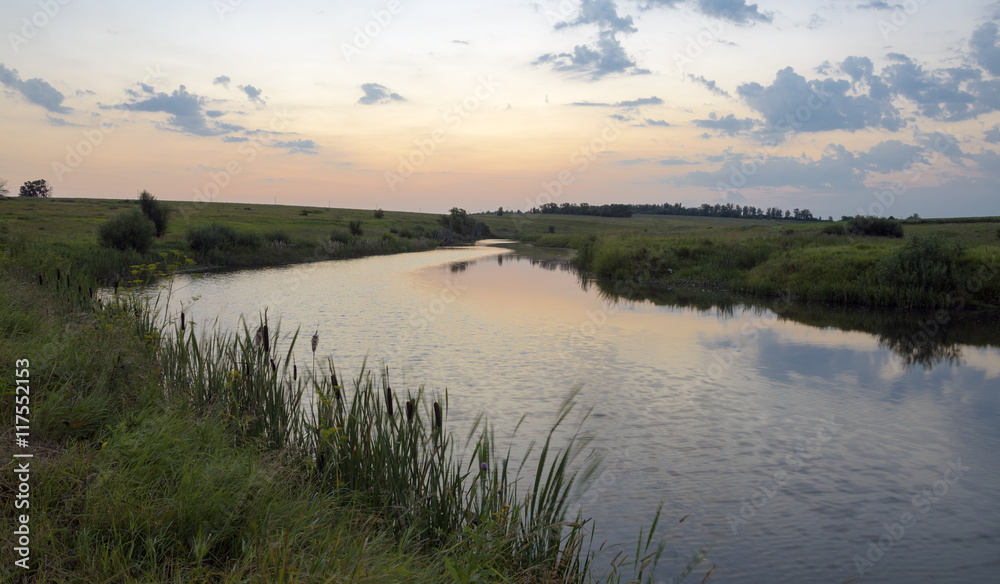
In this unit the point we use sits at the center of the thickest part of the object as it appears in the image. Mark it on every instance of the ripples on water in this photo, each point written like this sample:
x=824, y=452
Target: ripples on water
x=790, y=446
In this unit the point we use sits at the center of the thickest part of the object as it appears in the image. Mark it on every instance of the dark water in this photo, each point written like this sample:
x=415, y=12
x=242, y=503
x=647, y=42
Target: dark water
x=803, y=444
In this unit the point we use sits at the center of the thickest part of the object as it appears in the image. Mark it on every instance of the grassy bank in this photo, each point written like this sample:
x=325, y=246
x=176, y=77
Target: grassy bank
x=936, y=263
x=162, y=455
x=263, y=234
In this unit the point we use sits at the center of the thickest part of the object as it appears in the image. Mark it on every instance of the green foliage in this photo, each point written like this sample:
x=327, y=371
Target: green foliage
x=204, y=238
x=379, y=213
x=835, y=229
x=130, y=230
x=552, y=229
x=36, y=189
x=923, y=263
x=355, y=226
x=458, y=225
x=874, y=226
x=154, y=211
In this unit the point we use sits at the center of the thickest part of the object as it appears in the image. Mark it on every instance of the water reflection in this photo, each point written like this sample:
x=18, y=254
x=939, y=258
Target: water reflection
x=918, y=337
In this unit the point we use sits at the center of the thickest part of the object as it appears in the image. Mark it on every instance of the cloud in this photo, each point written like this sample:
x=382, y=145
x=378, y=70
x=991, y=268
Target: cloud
x=376, y=93
x=663, y=123
x=836, y=171
x=61, y=123
x=604, y=14
x=892, y=156
x=640, y=101
x=222, y=80
x=993, y=134
x=297, y=146
x=792, y=102
x=34, y=90
x=709, y=84
x=606, y=57
x=728, y=124
x=736, y=11
x=253, y=94
x=186, y=111
x=877, y=5
x=984, y=47
x=951, y=94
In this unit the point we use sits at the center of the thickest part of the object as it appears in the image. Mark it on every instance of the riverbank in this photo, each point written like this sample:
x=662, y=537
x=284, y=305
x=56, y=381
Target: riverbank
x=936, y=264
x=159, y=455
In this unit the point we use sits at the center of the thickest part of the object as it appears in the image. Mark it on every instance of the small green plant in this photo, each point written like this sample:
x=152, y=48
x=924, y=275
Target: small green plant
x=130, y=230
x=355, y=226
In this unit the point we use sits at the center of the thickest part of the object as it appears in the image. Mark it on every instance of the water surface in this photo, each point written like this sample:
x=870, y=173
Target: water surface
x=793, y=449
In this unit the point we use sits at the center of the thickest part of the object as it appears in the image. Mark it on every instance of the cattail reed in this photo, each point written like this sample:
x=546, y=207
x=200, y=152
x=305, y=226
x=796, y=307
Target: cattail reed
x=409, y=410
x=257, y=337
x=388, y=400
x=91, y=290
x=116, y=287
x=274, y=368
x=40, y=282
x=58, y=274
x=315, y=341
x=437, y=415
x=182, y=320
x=267, y=339
x=295, y=372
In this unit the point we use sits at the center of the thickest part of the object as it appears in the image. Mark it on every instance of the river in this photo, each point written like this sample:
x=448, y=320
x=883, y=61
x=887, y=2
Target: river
x=801, y=444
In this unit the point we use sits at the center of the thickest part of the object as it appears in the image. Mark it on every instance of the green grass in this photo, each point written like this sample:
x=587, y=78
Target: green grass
x=68, y=229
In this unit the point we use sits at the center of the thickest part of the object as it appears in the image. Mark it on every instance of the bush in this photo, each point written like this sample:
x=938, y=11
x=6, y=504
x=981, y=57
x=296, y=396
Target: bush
x=835, y=229
x=925, y=263
x=279, y=236
x=208, y=237
x=154, y=211
x=128, y=230
x=379, y=213
x=874, y=226
x=552, y=228
x=355, y=227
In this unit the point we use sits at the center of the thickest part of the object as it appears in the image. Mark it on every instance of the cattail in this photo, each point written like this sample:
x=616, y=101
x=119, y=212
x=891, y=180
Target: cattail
x=79, y=289
x=315, y=340
x=437, y=415
x=267, y=339
x=295, y=372
x=116, y=287
x=388, y=399
x=274, y=368
x=40, y=282
x=409, y=410
x=58, y=274
x=182, y=320
x=257, y=337
x=91, y=290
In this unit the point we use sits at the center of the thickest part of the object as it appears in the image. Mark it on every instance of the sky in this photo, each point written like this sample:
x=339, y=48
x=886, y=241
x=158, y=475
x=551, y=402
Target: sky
x=841, y=107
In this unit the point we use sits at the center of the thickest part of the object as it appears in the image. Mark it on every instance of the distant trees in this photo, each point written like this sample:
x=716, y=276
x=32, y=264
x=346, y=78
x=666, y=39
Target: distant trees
x=457, y=224
x=612, y=210
x=154, y=211
x=725, y=210
x=874, y=226
x=4, y=191
x=36, y=189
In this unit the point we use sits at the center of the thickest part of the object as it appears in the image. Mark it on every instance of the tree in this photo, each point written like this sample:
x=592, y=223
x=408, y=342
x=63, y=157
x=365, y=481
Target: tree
x=36, y=188
x=4, y=191
x=154, y=211
x=379, y=213
x=128, y=230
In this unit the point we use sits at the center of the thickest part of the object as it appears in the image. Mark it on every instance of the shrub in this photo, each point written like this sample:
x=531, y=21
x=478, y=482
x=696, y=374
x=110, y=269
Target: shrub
x=925, y=263
x=128, y=230
x=279, y=236
x=379, y=213
x=355, y=227
x=205, y=238
x=552, y=228
x=835, y=229
x=341, y=235
x=874, y=226
x=154, y=211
